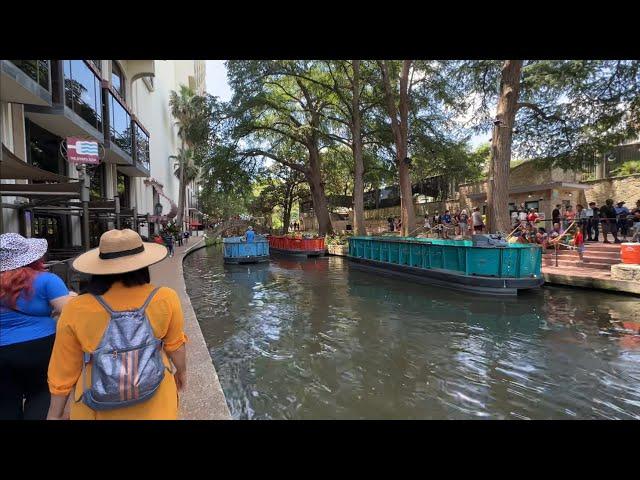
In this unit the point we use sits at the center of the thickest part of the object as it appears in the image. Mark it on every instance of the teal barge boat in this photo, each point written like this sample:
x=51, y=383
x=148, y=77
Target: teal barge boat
x=459, y=264
x=238, y=250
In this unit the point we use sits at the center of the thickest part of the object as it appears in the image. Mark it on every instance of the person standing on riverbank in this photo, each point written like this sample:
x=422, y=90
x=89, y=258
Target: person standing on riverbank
x=569, y=216
x=30, y=299
x=594, y=223
x=578, y=243
x=622, y=213
x=168, y=242
x=122, y=308
x=609, y=221
x=476, y=221
x=636, y=222
x=556, y=215
x=464, y=222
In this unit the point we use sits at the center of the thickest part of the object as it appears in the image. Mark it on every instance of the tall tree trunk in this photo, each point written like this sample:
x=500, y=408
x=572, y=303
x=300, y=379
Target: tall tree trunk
x=181, y=191
x=320, y=204
x=408, y=215
x=356, y=145
x=498, y=185
x=399, y=125
x=402, y=151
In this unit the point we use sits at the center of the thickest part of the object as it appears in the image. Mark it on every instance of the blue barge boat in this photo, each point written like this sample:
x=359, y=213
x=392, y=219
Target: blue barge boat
x=459, y=264
x=238, y=250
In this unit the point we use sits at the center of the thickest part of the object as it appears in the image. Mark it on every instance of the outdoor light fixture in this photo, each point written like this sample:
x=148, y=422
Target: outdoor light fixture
x=407, y=160
x=497, y=122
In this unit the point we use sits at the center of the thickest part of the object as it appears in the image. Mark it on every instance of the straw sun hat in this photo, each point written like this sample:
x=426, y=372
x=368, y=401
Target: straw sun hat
x=120, y=251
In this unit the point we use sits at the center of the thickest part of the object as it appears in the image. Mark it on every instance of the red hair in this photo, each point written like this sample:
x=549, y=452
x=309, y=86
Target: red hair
x=19, y=280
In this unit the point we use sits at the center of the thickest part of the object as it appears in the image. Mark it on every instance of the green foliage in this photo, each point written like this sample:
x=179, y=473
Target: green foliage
x=192, y=113
x=569, y=110
x=630, y=167
x=338, y=239
x=185, y=158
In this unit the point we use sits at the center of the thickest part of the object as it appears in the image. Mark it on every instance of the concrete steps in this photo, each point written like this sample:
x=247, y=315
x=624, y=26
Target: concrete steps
x=597, y=257
x=588, y=257
x=550, y=262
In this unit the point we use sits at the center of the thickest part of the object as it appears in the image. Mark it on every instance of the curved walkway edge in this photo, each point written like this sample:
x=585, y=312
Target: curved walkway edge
x=203, y=398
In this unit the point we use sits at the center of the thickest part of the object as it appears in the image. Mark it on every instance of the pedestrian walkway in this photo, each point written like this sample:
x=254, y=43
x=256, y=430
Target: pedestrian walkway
x=593, y=271
x=203, y=398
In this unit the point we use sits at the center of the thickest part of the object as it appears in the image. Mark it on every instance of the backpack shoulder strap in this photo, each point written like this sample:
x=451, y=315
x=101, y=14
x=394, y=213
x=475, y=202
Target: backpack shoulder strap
x=104, y=304
x=149, y=298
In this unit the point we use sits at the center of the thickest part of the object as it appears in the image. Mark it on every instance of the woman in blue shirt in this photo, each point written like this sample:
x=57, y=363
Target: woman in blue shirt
x=29, y=299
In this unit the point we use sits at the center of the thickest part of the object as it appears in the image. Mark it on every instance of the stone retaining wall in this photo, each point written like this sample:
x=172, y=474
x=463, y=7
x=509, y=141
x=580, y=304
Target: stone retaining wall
x=617, y=188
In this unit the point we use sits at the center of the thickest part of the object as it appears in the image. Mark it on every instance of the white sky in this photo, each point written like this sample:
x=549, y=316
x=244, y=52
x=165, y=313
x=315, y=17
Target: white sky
x=217, y=85
x=217, y=79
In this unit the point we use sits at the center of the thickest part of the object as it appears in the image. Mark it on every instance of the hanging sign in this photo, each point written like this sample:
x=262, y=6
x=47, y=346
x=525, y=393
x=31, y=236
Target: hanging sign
x=82, y=151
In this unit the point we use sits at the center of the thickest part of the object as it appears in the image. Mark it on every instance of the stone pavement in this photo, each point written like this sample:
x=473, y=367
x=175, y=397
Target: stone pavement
x=203, y=398
x=592, y=272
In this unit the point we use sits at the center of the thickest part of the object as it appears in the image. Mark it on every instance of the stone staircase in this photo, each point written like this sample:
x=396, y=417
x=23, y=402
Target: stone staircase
x=597, y=256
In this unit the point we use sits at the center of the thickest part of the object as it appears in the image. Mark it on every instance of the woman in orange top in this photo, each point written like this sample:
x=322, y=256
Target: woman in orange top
x=120, y=273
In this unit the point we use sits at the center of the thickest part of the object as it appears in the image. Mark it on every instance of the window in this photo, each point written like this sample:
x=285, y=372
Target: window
x=38, y=70
x=44, y=149
x=142, y=148
x=82, y=92
x=124, y=187
x=530, y=205
x=117, y=78
x=119, y=124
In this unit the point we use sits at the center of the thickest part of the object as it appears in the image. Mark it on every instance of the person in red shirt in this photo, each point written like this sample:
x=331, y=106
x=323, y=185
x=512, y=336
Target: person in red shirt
x=578, y=242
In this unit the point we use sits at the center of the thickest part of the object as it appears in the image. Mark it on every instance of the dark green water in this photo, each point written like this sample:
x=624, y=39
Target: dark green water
x=320, y=339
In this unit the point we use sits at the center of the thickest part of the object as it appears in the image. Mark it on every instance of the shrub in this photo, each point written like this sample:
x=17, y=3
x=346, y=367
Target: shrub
x=629, y=167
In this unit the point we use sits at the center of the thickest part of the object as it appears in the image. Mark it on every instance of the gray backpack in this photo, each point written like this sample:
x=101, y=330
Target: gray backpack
x=127, y=366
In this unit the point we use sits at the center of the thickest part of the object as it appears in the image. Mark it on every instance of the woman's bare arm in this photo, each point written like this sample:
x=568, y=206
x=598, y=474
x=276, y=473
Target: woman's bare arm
x=58, y=303
x=56, y=407
x=179, y=359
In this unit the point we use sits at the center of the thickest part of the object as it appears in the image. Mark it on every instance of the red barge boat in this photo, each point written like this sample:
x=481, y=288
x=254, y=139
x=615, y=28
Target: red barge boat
x=299, y=247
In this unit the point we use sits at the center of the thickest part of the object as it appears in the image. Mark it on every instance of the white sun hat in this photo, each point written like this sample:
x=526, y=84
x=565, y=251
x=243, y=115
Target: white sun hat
x=17, y=251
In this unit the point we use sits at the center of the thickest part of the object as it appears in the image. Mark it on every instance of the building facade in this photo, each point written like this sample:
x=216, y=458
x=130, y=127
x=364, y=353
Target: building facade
x=121, y=104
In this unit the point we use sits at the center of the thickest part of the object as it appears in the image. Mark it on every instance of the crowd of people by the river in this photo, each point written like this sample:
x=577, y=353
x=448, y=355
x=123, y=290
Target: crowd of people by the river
x=116, y=351
x=455, y=224
x=573, y=228
x=170, y=238
x=611, y=219
x=528, y=225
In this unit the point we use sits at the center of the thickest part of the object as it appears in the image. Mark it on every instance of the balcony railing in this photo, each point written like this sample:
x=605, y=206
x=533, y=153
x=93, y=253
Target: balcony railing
x=83, y=92
x=120, y=124
x=38, y=70
x=142, y=155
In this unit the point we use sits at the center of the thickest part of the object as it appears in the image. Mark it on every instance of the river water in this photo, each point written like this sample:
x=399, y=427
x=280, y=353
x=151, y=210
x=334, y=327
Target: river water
x=322, y=339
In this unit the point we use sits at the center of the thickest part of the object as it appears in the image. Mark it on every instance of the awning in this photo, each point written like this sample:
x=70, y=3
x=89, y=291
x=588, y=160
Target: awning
x=29, y=190
x=195, y=224
x=12, y=168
